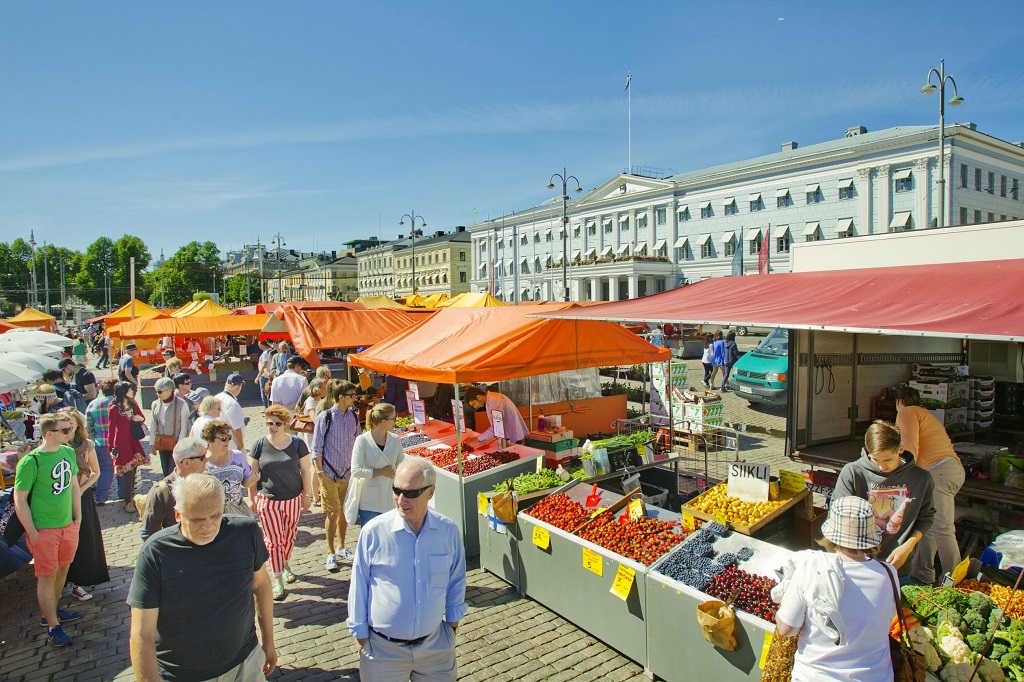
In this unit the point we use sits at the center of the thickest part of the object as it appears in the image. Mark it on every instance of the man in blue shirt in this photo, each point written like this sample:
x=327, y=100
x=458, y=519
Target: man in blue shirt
x=408, y=586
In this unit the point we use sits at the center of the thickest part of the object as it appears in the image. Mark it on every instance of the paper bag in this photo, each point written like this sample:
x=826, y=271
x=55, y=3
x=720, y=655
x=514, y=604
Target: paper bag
x=717, y=622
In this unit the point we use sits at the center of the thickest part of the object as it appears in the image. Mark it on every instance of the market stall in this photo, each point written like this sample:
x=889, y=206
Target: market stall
x=314, y=330
x=33, y=319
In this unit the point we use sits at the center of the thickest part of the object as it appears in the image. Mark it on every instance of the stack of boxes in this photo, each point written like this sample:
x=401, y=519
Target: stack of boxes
x=945, y=392
x=558, y=444
x=702, y=413
x=981, y=414
x=659, y=387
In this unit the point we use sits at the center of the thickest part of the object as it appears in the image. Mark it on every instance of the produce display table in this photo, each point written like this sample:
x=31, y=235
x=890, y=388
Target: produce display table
x=557, y=578
x=675, y=644
x=446, y=495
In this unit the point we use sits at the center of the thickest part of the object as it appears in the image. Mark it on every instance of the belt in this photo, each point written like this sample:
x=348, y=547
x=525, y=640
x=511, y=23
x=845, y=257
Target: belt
x=396, y=640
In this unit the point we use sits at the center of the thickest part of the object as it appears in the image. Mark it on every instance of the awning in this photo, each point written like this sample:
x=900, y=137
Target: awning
x=681, y=242
x=661, y=243
x=591, y=253
x=844, y=225
x=783, y=230
x=547, y=233
x=314, y=330
x=812, y=188
x=903, y=174
x=606, y=252
x=703, y=239
x=754, y=235
x=682, y=209
x=811, y=227
x=756, y=196
x=624, y=249
x=728, y=237
x=953, y=300
x=448, y=347
x=623, y=219
x=606, y=221
x=224, y=325
x=641, y=249
x=523, y=261
x=591, y=223
x=576, y=254
x=901, y=219
x=511, y=263
x=728, y=201
x=845, y=184
x=705, y=205
x=779, y=193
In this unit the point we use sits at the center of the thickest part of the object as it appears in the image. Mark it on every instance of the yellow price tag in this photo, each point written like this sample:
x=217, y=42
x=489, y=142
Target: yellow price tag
x=689, y=523
x=636, y=510
x=641, y=450
x=722, y=518
x=597, y=511
x=623, y=582
x=791, y=481
x=481, y=504
x=960, y=572
x=593, y=562
x=765, y=648
x=541, y=537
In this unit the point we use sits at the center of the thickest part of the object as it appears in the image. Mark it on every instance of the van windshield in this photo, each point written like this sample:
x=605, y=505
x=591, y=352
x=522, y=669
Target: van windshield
x=776, y=343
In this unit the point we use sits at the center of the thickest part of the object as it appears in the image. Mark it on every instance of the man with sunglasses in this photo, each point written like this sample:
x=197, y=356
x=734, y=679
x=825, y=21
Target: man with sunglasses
x=189, y=458
x=50, y=474
x=408, y=585
x=334, y=435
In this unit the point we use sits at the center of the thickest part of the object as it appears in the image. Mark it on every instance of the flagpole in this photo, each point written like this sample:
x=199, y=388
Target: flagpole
x=629, y=124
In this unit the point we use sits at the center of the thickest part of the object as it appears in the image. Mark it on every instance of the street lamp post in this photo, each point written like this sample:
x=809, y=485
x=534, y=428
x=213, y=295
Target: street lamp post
x=411, y=215
x=956, y=101
x=565, y=223
x=277, y=238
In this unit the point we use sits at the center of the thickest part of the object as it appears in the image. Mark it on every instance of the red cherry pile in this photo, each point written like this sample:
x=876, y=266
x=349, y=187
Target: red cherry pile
x=441, y=457
x=642, y=540
x=559, y=511
x=754, y=592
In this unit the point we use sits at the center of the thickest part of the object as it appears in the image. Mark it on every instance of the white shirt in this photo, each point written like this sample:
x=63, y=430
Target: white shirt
x=367, y=457
x=231, y=412
x=200, y=423
x=287, y=389
x=867, y=607
x=264, y=362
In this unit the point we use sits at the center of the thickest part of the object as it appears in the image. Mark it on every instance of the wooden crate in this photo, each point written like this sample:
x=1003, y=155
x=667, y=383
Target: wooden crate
x=802, y=498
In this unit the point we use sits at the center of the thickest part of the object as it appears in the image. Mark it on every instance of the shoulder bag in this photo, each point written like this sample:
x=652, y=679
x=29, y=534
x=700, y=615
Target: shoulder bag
x=907, y=664
x=164, y=442
x=139, y=430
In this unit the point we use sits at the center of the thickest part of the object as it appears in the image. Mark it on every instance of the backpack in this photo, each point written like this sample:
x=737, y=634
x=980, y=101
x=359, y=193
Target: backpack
x=71, y=397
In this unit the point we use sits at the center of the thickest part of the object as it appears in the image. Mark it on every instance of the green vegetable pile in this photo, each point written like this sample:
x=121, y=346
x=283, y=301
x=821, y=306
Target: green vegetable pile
x=613, y=443
x=640, y=437
x=402, y=422
x=542, y=480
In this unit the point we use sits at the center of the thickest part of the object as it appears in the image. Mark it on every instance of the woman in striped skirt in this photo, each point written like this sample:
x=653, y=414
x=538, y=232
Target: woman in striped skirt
x=285, y=489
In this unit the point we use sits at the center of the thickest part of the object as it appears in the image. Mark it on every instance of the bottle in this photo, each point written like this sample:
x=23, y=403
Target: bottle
x=542, y=422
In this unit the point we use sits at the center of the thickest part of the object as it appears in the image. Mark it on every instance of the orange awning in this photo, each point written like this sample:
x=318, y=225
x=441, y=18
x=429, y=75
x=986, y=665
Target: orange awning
x=125, y=312
x=192, y=326
x=457, y=345
x=313, y=330
x=30, y=317
x=204, y=308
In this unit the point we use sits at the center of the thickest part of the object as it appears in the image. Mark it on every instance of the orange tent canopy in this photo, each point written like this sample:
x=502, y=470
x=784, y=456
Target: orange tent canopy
x=457, y=345
x=192, y=326
x=299, y=305
x=30, y=317
x=313, y=330
x=204, y=308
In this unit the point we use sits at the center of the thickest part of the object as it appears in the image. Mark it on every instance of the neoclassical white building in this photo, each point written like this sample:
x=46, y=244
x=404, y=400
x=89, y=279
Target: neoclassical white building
x=635, y=235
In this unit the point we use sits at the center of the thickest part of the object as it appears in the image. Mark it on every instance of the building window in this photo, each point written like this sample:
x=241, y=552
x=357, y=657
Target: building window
x=963, y=175
x=462, y=256
x=607, y=227
x=963, y=215
x=845, y=228
x=1002, y=186
x=576, y=231
x=730, y=247
x=706, y=211
x=731, y=208
x=814, y=195
x=682, y=253
x=684, y=213
x=705, y=249
x=591, y=228
x=660, y=216
x=1014, y=188
x=991, y=217
x=846, y=192
x=462, y=278
x=904, y=181
x=524, y=240
x=977, y=217
x=977, y=179
x=991, y=183
x=536, y=264
x=536, y=237
x=783, y=199
x=755, y=245
x=641, y=221
x=624, y=225
x=757, y=204
x=782, y=243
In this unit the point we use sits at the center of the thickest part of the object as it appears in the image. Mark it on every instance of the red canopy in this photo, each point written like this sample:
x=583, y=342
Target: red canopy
x=313, y=330
x=456, y=345
x=961, y=300
x=267, y=308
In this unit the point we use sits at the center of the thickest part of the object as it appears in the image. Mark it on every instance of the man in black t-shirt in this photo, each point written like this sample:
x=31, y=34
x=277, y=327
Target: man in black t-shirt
x=193, y=589
x=85, y=383
x=126, y=369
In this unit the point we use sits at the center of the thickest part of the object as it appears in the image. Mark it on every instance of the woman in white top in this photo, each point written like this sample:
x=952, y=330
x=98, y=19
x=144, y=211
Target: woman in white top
x=375, y=457
x=209, y=410
x=841, y=602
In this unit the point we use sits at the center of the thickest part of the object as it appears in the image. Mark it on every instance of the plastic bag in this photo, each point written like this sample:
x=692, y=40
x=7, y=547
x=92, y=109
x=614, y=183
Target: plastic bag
x=1014, y=478
x=717, y=622
x=1011, y=546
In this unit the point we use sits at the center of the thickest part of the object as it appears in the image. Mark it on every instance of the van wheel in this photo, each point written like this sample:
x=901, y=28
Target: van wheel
x=742, y=331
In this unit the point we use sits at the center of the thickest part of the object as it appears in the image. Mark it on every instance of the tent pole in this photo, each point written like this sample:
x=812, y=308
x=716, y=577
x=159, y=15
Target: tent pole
x=458, y=455
x=671, y=420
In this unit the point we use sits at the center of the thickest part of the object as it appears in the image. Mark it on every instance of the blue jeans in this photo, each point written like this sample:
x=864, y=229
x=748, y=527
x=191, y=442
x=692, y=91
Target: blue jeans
x=104, y=360
x=365, y=516
x=262, y=381
x=106, y=474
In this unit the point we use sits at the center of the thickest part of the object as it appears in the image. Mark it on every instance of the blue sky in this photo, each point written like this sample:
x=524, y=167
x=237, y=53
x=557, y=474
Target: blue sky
x=327, y=121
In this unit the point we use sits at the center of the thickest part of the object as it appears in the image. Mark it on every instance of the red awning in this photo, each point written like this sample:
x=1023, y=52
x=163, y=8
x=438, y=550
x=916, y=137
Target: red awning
x=313, y=330
x=960, y=300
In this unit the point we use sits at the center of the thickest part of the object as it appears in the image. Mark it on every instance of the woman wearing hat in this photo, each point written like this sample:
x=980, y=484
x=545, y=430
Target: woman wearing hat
x=841, y=602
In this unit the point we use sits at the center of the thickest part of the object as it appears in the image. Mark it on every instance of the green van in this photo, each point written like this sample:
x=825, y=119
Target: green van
x=760, y=375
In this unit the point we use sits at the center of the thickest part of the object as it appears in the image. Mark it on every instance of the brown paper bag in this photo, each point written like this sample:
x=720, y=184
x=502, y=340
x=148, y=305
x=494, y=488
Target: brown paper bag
x=505, y=505
x=717, y=622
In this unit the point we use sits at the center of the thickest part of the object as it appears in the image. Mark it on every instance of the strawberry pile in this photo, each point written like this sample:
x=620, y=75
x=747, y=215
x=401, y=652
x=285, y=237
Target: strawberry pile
x=559, y=511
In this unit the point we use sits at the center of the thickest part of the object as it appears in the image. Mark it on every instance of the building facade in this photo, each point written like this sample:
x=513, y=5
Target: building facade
x=324, y=277
x=634, y=235
x=437, y=263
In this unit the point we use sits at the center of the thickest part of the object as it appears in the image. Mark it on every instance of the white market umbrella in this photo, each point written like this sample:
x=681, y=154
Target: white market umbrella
x=27, y=373
x=12, y=381
x=28, y=346
x=30, y=360
x=35, y=336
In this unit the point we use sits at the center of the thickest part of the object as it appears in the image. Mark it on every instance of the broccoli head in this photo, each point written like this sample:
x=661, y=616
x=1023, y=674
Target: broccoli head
x=950, y=616
x=975, y=622
x=1014, y=658
x=1013, y=636
x=980, y=602
x=978, y=642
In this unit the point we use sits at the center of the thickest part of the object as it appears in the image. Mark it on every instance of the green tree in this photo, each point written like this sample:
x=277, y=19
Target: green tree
x=107, y=262
x=194, y=267
x=15, y=272
x=97, y=265
x=242, y=290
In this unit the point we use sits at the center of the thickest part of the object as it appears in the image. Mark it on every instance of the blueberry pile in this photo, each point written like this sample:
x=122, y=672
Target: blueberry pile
x=413, y=440
x=703, y=535
x=699, y=549
x=726, y=559
x=716, y=528
x=744, y=553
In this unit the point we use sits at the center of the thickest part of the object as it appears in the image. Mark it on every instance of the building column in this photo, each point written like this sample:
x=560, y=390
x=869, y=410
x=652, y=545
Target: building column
x=613, y=288
x=652, y=228
x=633, y=286
x=595, y=289
x=924, y=192
x=884, y=213
x=865, y=224
x=616, y=234
x=673, y=229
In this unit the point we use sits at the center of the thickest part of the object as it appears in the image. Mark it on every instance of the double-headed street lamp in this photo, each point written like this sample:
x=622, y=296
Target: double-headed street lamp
x=956, y=101
x=411, y=215
x=565, y=222
x=280, y=243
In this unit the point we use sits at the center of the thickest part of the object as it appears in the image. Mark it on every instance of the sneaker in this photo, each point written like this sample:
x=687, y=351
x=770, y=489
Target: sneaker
x=80, y=594
x=345, y=554
x=63, y=617
x=57, y=636
x=332, y=563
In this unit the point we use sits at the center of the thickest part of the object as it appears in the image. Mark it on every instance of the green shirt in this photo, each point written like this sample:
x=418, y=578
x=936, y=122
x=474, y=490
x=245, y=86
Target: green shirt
x=78, y=349
x=49, y=476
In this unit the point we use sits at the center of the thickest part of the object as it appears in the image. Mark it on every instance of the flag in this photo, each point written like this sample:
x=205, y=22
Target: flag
x=629, y=77
x=762, y=255
x=737, y=256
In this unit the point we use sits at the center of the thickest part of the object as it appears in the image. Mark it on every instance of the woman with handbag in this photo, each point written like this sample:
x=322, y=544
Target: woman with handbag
x=89, y=566
x=124, y=439
x=168, y=422
x=230, y=467
x=375, y=458
x=841, y=603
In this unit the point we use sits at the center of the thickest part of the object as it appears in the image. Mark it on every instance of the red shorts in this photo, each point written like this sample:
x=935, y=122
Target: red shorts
x=53, y=548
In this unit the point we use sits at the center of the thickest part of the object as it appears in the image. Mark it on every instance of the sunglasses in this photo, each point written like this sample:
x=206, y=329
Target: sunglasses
x=196, y=457
x=349, y=395
x=410, y=494
x=222, y=439
x=66, y=431
x=269, y=423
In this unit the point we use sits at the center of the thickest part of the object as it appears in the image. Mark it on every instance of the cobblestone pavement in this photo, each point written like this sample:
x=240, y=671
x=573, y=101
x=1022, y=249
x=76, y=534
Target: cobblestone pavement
x=504, y=636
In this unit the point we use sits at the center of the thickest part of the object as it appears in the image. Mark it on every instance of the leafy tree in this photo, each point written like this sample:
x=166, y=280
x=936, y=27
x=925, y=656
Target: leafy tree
x=15, y=272
x=194, y=267
x=242, y=290
x=107, y=259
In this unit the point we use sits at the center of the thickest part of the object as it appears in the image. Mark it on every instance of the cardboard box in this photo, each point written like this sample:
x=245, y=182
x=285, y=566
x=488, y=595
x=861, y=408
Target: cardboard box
x=548, y=437
x=553, y=459
x=944, y=394
x=982, y=383
x=560, y=446
x=980, y=415
x=954, y=419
